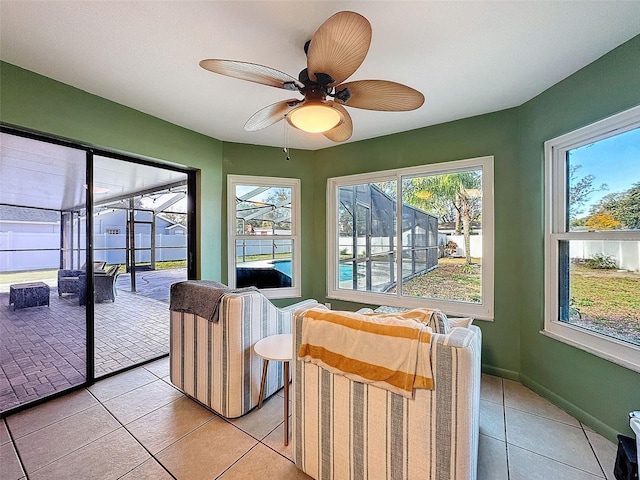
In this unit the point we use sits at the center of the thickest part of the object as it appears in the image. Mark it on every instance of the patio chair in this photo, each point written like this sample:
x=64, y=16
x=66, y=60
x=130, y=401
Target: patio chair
x=104, y=284
x=75, y=281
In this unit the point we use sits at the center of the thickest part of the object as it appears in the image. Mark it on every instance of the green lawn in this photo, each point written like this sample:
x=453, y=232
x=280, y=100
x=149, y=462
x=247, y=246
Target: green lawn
x=35, y=275
x=607, y=301
x=448, y=282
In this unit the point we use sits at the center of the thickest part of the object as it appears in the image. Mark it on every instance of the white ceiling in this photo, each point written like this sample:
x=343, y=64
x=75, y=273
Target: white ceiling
x=467, y=58
x=45, y=175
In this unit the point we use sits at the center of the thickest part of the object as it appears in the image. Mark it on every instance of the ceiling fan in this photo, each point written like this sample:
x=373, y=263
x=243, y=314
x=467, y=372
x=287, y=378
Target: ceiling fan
x=334, y=53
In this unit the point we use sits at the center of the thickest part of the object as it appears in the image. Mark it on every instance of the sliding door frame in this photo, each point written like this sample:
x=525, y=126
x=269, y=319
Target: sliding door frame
x=192, y=258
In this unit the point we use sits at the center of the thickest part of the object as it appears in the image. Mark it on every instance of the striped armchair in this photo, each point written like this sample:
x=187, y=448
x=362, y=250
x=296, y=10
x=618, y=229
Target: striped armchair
x=346, y=430
x=214, y=362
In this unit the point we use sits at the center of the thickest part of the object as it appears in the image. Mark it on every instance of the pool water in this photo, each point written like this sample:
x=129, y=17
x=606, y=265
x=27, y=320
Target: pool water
x=345, y=273
x=284, y=266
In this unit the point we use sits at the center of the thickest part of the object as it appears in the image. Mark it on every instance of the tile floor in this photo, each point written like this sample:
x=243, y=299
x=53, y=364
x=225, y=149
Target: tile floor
x=137, y=426
x=43, y=348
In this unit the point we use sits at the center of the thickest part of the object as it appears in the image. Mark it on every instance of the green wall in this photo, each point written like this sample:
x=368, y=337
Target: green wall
x=596, y=391
x=34, y=102
x=494, y=134
x=241, y=159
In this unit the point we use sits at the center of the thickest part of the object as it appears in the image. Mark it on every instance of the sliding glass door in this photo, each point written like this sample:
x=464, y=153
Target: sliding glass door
x=43, y=273
x=90, y=243
x=140, y=237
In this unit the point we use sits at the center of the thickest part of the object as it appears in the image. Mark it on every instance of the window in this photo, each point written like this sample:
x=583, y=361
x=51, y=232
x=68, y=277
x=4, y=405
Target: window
x=593, y=238
x=264, y=234
x=434, y=248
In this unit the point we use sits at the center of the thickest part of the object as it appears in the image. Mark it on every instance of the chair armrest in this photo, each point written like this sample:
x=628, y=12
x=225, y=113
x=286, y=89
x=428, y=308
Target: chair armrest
x=70, y=273
x=309, y=303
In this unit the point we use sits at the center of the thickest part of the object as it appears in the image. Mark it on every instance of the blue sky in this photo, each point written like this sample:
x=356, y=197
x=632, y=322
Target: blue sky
x=614, y=161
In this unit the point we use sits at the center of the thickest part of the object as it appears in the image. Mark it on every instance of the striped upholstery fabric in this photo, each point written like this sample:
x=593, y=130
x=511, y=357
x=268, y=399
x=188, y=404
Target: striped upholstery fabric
x=214, y=362
x=345, y=430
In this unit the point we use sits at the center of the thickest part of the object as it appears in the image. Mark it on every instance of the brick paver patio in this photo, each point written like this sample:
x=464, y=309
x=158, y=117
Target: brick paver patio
x=42, y=349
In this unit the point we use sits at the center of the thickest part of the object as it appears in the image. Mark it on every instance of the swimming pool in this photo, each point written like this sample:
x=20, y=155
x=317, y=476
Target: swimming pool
x=284, y=266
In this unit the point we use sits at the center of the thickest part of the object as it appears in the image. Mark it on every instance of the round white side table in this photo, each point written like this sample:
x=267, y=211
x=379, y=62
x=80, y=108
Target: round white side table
x=277, y=348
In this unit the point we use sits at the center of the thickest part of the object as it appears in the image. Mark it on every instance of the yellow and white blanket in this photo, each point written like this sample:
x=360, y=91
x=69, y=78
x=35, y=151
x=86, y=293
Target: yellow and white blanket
x=388, y=351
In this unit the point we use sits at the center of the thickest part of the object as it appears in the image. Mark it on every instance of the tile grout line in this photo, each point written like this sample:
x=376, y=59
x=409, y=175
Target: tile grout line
x=72, y=451
x=15, y=449
x=532, y=451
x=237, y=460
x=134, y=437
x=604, y=475
x=521, y=409
x=504, y=417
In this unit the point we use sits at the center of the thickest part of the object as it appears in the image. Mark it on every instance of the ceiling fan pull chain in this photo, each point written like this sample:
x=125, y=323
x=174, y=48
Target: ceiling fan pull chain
x=285, y=149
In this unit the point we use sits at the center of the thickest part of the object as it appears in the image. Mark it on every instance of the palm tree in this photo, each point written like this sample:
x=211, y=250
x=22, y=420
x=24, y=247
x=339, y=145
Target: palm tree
x=439, y=192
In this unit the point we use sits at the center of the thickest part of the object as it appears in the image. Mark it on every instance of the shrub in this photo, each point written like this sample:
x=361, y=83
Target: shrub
x=467, y=268
x=451, y=247
x=600, y=261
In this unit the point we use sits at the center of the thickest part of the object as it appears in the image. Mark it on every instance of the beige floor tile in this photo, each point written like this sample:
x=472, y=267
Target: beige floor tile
x=160, y=428
x=605, y=451
x=518, y=396
x=108, y=458
x=275, y=441
x=149, y=470
x=555, y=440
x=526, y=465
x=34, y=418
x=160, y=368
x=206, y=452
x=136, y=403
x=10, y=468
x=262, y=462
x=492, y=459
x=260, y=422
x=125, y=382
x=4, y=433
x=492, y=420
x=491, y=389
x=54, y=441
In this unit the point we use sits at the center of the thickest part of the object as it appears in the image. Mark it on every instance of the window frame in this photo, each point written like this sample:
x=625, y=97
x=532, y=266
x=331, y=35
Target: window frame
x=294, y=184
x=617, y=351
x=484, y=310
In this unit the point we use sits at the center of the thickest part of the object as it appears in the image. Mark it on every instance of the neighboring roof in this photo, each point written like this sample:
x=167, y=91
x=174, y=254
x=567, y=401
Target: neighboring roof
x=175, y=225
x=21, y=214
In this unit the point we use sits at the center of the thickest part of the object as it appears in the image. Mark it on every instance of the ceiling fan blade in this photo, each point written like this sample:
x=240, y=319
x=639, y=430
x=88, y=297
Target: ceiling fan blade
x=252, y=72
x=343, y=131
x=269, y=115
x=381, y=95
x=339, y=46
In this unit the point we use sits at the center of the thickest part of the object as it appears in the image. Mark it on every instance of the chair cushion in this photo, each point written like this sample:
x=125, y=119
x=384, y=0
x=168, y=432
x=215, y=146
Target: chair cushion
x=461, y=322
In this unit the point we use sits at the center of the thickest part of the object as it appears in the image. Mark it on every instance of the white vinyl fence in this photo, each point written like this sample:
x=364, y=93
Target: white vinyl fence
x=626, y=253
x=40, y=251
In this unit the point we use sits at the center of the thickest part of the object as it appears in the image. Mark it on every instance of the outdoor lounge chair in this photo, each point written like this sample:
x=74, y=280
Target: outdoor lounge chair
x=104, y=284
x=75, y=281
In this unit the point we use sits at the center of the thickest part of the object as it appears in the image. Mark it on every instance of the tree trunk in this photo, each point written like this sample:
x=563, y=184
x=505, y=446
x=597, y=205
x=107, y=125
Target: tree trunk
x=457, y=209
x=466, y=228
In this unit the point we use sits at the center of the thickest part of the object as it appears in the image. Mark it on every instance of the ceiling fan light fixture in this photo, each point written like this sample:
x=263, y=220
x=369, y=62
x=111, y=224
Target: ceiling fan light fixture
x=315, y=117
